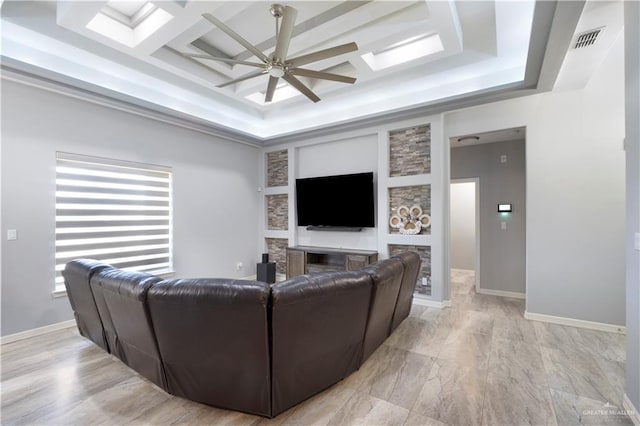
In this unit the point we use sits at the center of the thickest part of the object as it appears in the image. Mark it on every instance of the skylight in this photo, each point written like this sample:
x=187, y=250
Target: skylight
x=404, y=51
x=283, y=92
x=129, y=13
x=129, y=22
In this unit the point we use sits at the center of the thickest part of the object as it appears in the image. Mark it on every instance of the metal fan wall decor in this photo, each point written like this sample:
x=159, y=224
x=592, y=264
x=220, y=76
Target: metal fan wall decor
x=278, y=65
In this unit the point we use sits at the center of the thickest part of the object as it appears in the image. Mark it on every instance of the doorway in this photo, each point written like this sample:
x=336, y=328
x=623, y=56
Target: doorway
x=464, y=247
x=494, y=261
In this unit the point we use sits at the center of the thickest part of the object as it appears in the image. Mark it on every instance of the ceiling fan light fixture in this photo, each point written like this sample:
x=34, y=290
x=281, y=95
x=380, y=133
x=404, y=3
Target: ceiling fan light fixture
x=276, y=70
x=279, y=65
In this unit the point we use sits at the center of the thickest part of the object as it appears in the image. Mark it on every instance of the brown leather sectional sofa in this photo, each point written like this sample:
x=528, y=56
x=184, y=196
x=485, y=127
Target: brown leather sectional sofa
x=237, y=344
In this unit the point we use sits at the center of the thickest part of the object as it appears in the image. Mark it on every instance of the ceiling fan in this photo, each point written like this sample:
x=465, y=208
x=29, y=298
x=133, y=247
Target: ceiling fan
x=278, y=65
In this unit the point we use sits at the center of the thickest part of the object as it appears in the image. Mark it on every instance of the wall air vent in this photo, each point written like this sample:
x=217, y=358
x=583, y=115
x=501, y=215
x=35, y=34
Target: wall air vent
x=587, y=38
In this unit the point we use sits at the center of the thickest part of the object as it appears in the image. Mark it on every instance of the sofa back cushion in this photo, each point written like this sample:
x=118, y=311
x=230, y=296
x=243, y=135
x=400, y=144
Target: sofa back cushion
x=411, y=263
x=123, y=301
x=77, y=274
x=214, y=341
x=386, y=276
x=318, y=323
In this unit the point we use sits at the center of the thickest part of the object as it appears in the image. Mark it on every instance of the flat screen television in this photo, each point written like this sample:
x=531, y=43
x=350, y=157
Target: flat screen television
x=341, y=201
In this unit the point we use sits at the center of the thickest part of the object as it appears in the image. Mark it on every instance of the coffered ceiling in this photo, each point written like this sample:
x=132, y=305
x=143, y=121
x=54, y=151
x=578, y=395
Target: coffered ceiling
x=411, y=54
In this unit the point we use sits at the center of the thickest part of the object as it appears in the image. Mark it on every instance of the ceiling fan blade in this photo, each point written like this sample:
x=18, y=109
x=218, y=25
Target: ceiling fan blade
x=301, y=87
x=322, y=54
x=321, y=75
x=271, y=88
x=250, y=47
x=243, y=78
x=229, y=60
x=284, y=35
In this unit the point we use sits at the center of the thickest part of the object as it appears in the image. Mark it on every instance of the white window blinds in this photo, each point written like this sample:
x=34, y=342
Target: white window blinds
x=114, y=211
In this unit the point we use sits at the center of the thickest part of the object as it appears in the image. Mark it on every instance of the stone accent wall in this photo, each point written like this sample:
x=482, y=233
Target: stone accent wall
x=410, y=151
x=277, y=168
x=425, y=269
x=277, y=249
x=278, y=212
x=410, y=196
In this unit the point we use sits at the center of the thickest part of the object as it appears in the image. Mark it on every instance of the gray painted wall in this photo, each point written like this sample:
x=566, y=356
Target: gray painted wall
x=632, y=73
x=214, y=188
x=575, y=191
x=462, y=235
x=502, y=252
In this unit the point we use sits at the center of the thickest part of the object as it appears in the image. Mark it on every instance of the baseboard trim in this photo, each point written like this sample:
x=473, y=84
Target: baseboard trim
x=501, y=293
x=631, y=410
x=431, y=303
x=36, y=332
x=592, y=325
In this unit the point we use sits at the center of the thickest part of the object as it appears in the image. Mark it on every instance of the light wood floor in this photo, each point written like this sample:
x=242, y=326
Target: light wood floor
x=478, y=362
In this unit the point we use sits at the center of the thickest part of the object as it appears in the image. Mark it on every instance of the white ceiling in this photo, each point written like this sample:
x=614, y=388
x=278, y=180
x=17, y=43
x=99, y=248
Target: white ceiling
x=486, y=45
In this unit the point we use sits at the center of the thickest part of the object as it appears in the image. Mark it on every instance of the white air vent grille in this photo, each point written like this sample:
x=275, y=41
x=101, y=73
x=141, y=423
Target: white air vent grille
x=587, y=38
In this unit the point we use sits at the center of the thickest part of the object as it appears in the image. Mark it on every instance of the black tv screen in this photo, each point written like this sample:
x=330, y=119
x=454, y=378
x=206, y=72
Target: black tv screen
x=336, y=201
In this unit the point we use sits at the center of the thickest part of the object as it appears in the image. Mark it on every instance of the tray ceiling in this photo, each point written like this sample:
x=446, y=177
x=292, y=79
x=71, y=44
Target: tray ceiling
x=411, y=53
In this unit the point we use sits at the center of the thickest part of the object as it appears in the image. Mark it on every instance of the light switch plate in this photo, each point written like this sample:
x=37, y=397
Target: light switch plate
x=503, y=225
x=636, y=241
x=12, y=234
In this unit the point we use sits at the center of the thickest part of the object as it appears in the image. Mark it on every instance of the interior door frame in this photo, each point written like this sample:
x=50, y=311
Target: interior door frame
x=476, y=181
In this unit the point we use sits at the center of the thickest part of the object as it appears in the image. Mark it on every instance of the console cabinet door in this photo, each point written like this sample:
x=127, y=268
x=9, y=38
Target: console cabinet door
x=295, y=263
x=356, y=262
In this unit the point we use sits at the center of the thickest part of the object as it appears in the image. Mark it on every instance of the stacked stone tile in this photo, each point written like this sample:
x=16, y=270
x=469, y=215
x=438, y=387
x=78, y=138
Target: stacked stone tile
x=278, y=212
x=277, y=168
x=410, y=151
x=425, y=269
x=277, y=249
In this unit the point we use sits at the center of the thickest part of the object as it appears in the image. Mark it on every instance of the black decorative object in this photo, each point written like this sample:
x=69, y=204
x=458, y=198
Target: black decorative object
x=266, y=271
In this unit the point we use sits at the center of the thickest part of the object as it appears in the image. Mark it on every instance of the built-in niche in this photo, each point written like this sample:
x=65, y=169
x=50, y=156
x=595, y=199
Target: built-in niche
x=410, y=151
x=277, y=212
x=277, y=249
x=410, y=196
x=277, y=168
x=423, y=286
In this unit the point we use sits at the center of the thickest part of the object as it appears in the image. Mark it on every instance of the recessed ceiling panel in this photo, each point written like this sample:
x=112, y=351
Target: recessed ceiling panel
x=410, y=53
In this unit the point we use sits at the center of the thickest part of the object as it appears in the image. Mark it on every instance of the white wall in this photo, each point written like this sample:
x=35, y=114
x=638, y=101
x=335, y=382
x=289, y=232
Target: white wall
x=575, y=192
x=214, y=189
x=463, y=225
x=353, y=155
x=632, y=82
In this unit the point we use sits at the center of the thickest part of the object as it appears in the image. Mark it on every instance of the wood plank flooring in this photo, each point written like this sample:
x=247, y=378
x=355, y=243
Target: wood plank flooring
x=478, y=362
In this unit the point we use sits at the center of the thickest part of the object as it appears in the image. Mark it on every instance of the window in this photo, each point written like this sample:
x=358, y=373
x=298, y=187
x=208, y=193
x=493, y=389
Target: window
x=114, y=211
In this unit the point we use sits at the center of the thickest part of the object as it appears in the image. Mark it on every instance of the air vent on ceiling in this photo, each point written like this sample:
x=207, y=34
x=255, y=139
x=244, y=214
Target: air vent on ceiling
x=587, y=38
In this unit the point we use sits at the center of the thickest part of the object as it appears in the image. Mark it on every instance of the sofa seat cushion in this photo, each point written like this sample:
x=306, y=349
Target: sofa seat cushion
x=213, y=337
x=318, y=323
x=77, y=274
x=387, y=277
x=123, y=302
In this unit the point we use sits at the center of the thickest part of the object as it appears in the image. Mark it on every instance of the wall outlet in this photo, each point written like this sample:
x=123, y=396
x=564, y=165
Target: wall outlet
x=424, y=281
x=239, y=266
x=12, y=234
x=503, y=225
x=503, y=158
